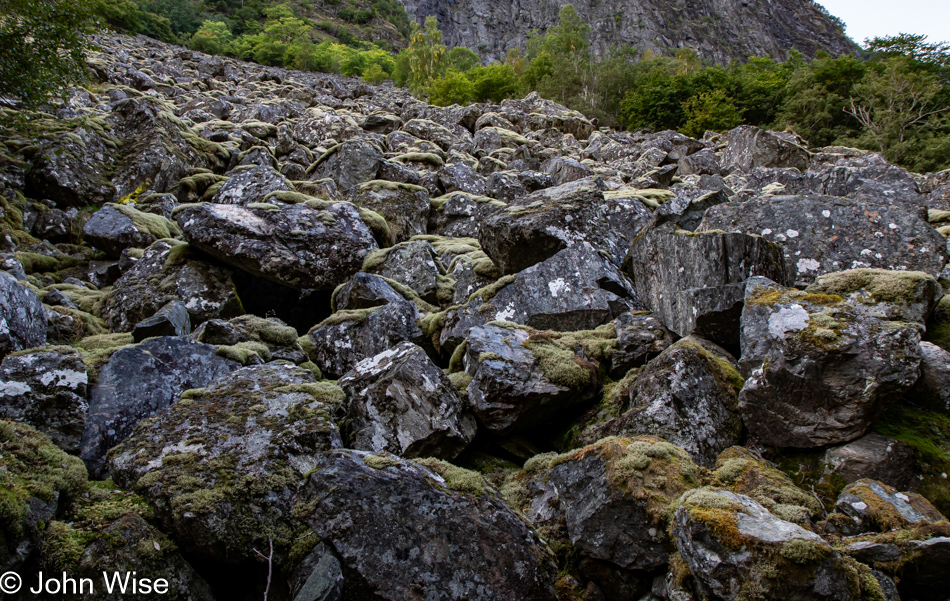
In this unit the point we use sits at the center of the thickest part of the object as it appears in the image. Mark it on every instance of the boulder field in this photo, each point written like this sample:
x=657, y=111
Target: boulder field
x=267, y=334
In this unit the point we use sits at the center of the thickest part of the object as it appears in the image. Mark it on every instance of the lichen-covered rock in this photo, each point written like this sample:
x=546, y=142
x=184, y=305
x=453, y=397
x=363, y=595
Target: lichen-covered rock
x=460, y=214
x=735, y=549
x=116, y=227
x=139, y=382
x=347, y=337
x=522, y=378
x=222, y=467
x=414, y=264
x=548, y=221
x=694, y=282
x=877, y=457
x=688, y=396
x=249, y=339
x=36, y=477
x=400, y=402
x=613, y=497
x=170, y=271
x=823, y=234
x=350, y=164
x=872, y=506
x=819, y=370
x=73, y=168
x=170, y=320
x=22, y=317
x=246, y=185
x=293, y=245
x=364, y=291
x=376, y=509
x=640, y=337
x=748, y=146
x=898, y=295
x=47, y=390
x=405, y=206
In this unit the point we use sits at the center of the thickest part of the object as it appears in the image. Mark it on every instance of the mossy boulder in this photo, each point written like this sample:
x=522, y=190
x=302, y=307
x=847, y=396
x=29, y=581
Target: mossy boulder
x=369, y=509
x=872, y=506
x=404, y=206
x=417, y=265
x=820, y=370
x=898, y=295
x=688, y=395
x=608, y=501
x=35, y=480
x=222, y=466
x=250, y=184
x=735, y=549
x=741, y=471
x=116, y=227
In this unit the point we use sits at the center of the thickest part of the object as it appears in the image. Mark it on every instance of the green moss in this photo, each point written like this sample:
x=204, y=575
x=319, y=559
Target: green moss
x=381, y=461
x=457, y=478
x=37, y=263
x=456, y=361
x=97, y=350
x=244, y=352
x=883, y=285
x=804, y=551
x=377, y=224
x=559, y=364
x=488, y=292
x=266, y=330
x=346, y=316
x=460, y=381
x=326, y=155
x=742, y=472
x=938, y=216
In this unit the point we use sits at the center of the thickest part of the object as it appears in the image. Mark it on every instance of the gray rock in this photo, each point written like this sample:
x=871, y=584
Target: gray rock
x=727, y=563
x=703, y=162
x=369, y=507
x=459, y=177
x=22, y=317
x=564, y=170
x=348, y=337
x=548, y=221
x=405, y=206
x=170, y=320
x=72, y=169
x=748, y=147
x=47, y=390
x=168, y=272
x=896, y=295
x=12, y=265
x=266, y=425
x=353, y=163
x=687, y=396
x=521, y=380
x=612, y=498
x=819, y=372
x=873, y=456
x=416, y=265
x=640, y=338
x=576, y=289
x=460, y=215
x=320, y=576
x=823, y=234
x=365, y=291
x=876, y=507
x=400, y=402
x=932, y=390
x=694, y=282
x=250, y=184
x=293, y=245
x=139, y=382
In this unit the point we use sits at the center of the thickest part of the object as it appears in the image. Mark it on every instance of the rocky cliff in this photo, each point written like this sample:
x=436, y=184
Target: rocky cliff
x=719, y=30
x=278, y=335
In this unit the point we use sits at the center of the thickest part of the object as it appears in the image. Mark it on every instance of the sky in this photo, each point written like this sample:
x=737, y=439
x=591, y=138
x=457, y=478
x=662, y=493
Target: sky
x=870, y=18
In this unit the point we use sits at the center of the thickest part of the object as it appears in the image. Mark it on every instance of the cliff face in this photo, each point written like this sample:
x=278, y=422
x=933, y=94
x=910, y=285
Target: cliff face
x=719, y=30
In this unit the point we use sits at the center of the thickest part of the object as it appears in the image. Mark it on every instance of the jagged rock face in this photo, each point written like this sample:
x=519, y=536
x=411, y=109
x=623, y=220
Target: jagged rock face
x=22, y=318
x=370, y=508
x=719, y=30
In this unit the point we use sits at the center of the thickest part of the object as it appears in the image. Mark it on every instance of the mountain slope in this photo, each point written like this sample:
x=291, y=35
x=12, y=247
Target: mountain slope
x=719, y=30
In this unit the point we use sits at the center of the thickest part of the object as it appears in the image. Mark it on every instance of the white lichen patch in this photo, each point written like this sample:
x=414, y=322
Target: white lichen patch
x=788, y=319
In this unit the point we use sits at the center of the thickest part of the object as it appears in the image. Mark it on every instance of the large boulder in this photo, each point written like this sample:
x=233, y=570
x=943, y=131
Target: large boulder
x=168, y=271
x=22, y=317
x=547, y=221
x=405, y=206
x=612, y=498
x=734, y=548
x=139, y=382
x=889, y=461
x=349, y=164
x=399, y=401
x=871, y=506
x=640, y=338
x=246, y=185
x=748, y=146
x=222, y=467
x=820, y=370
x=416, y=265
x=689, y=396
x=523, y=378
x=47, y=390
x=375, y=510
x=695, y=282
x=115, y=227
x=72, y=169
x=293, y=245
x=909, y=296
x=823, y=234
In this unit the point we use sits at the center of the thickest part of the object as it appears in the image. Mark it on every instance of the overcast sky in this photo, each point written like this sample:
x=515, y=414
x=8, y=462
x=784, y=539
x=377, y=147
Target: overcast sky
x=870, y=18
